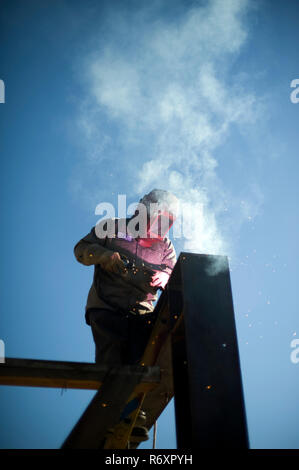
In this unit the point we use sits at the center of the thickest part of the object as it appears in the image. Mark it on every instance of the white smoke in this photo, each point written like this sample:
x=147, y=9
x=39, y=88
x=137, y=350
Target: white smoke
x=170, y=103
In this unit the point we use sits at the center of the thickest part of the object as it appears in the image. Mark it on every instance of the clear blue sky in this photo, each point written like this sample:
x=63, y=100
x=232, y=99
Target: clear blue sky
x=107, y=98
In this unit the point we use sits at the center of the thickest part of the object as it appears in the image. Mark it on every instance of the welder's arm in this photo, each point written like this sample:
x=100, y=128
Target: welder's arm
x=160, y=278
x=90, y=250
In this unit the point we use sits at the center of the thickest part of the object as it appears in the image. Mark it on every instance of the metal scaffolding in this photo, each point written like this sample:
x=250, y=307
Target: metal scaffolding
x=192, y=354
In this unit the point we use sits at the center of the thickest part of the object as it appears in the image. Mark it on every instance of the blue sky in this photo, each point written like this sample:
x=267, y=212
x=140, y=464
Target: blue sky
x=108, y=98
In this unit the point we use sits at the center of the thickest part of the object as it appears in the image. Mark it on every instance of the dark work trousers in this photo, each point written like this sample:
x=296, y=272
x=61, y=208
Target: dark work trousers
x=119, y=338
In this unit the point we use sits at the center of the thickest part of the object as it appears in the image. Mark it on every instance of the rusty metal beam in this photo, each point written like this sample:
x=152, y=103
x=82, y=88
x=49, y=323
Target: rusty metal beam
x=59, y=374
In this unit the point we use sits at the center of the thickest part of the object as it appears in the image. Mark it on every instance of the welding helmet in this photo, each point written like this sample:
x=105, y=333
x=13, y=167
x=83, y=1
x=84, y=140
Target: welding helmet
x=162, y=208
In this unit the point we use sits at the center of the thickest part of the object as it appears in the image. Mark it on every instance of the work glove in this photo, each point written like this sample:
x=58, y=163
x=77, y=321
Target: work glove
x=159, y=279
x=111, y=261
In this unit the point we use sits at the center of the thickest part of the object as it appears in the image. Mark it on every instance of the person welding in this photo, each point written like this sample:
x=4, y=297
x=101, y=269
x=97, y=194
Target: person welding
x=131, y=263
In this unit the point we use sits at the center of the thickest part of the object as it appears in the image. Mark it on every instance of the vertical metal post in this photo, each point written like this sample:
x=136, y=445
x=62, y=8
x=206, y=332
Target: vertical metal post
x=209, y=403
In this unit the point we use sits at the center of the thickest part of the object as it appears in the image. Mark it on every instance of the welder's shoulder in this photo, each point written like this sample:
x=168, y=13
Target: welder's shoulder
x=91, y=237
x=103, y=229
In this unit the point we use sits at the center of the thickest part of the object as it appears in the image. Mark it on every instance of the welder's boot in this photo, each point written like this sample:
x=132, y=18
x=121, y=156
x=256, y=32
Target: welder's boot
x=140, y=432
x=141, y=418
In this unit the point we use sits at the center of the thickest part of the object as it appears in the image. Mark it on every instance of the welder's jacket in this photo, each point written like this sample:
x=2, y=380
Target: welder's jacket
x=132, y=292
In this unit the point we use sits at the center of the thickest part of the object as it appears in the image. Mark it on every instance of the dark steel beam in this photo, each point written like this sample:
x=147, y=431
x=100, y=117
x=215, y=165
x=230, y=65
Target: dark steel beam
x=105, y=409
x=209, y=403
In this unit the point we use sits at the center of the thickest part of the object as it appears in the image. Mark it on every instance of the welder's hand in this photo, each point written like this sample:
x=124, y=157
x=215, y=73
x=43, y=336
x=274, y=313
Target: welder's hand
x=159, y=279
x=111, y=262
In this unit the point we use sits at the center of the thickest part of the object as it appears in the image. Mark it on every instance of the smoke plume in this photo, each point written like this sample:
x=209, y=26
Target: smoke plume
x=160, y=102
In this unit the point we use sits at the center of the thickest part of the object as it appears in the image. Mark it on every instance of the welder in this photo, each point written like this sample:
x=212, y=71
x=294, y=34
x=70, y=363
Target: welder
x=132, y=261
